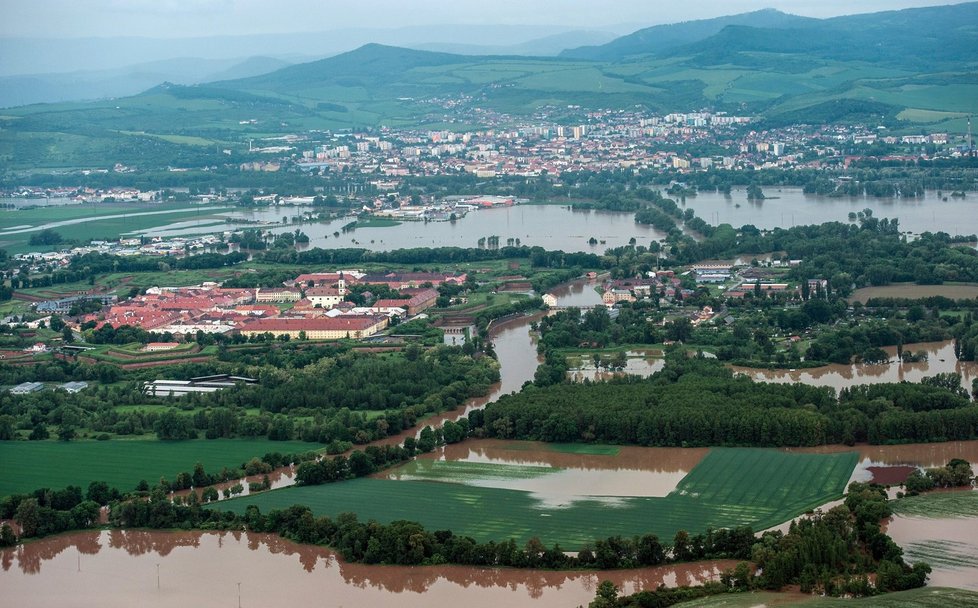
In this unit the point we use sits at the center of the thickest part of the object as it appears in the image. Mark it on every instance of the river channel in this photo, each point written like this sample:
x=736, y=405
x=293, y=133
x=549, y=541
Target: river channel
x=126, y=568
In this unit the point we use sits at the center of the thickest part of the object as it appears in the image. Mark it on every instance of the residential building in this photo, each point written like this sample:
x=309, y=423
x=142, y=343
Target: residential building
x=321, y=328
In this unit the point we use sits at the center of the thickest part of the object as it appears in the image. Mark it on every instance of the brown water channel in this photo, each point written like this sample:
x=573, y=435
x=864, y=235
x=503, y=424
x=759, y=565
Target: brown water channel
x=146, y=568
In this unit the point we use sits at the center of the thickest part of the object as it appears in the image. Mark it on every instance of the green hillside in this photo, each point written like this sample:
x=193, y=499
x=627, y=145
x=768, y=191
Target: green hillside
x=896, y=67
x=660, y=38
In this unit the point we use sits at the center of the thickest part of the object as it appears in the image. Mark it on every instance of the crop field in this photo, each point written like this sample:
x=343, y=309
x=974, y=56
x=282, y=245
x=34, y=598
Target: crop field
x=730, y=487
x=926, y=597
x=28, y=465
x=939, y=505
x=955, y=291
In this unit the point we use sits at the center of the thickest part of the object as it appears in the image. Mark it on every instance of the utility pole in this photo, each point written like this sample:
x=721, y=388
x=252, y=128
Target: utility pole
x=157, y=576
x=239, y=595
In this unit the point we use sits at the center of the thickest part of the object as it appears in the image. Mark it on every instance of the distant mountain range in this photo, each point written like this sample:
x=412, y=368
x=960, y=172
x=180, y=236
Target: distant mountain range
x=661, y=38
x=909, y=67
x=121, y=82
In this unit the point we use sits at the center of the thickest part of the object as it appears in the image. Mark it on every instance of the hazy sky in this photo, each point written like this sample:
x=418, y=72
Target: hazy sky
x=180, y=18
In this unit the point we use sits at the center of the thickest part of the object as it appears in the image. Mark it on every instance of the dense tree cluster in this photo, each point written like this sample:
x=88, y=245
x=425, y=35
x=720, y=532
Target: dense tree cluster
x=320, y=393
x=955, y=474
x=695, y=401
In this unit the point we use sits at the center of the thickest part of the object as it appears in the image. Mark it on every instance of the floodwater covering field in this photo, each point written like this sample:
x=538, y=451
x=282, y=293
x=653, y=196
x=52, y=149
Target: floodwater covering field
x=940, y=528
x=555, y=474
x=119, y=568
x=728, y=487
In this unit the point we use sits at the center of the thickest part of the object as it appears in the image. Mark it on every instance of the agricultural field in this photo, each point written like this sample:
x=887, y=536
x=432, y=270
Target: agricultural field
x=955, y=291
x=939, y=505
x=729, y=487
x=28, y=465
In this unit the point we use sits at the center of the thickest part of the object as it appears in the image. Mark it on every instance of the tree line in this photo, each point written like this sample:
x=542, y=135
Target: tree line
x=699, y=402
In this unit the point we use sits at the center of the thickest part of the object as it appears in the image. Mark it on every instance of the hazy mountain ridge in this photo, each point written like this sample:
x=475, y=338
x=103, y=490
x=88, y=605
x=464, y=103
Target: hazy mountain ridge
x=544, y=47
x=102, y=84
x=660, y=38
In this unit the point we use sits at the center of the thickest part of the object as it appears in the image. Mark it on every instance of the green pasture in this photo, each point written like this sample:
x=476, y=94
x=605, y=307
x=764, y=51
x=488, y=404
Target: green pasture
x=28, y=465
x=730, y=487
x=926, y=597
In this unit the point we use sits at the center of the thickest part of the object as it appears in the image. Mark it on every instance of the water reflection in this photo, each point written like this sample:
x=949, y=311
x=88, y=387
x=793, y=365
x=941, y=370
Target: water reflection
x=940, y=359
x=203, y=568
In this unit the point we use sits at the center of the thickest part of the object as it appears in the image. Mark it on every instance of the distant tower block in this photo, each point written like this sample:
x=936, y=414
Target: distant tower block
x=971, y=140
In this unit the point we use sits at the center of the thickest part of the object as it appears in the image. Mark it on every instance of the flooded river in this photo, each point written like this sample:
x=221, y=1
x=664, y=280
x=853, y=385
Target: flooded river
x=119, y=568
x=146, y=568
x=787, y=207
x=557, y=227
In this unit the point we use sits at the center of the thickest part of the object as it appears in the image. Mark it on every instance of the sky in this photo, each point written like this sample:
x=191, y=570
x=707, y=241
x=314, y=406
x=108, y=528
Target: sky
x=194, y=18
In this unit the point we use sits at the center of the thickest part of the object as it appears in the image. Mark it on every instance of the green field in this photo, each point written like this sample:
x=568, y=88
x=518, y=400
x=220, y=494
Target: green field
x=927, y=597
x=960, y=503
x=28, y=465
x=730, y=487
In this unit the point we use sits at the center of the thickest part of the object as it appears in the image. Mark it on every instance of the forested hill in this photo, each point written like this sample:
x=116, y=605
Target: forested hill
x=889, y=68
x=660, y=38
x=369, y=65
x=912, y=37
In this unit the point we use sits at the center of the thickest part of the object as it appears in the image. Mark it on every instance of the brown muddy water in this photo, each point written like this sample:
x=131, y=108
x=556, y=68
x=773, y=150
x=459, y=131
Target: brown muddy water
x=949, y=545
x=106, y=569
x=577, y=293
x=633, y=471
x=940, y=359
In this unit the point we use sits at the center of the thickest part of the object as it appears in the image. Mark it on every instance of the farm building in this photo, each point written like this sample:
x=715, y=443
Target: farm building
x=26, y=388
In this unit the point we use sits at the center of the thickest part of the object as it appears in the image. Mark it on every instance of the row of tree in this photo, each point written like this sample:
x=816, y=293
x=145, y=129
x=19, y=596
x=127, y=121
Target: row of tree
x=700, y=402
